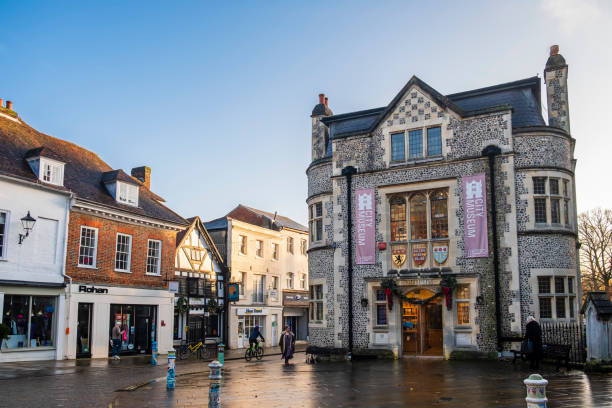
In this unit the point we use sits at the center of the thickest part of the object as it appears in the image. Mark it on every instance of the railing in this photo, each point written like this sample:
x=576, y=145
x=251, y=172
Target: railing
x=572, y=334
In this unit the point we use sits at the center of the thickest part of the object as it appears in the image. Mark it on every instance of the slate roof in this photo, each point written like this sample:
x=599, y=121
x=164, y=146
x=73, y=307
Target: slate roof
x=83, y=173
x=119, y=175
x=284, y=222
x=256, y=217
x=601, y=301
x=522, y=96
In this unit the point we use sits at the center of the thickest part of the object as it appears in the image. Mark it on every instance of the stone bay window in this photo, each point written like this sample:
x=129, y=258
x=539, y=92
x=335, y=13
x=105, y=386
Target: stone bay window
x=419, y=229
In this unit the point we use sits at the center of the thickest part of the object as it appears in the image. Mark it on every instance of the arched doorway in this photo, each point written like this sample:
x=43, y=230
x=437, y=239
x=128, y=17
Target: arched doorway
x=422, y=324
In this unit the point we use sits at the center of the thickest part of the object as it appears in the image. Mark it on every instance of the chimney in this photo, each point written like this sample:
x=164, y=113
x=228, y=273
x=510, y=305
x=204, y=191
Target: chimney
x=1, y=102
x=9, y=105
x=326, y=100
x=143, y=174
x=555, y=78
x=321, y=98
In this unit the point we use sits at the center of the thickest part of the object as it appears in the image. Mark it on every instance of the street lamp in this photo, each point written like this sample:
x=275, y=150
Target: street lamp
x=27, y=223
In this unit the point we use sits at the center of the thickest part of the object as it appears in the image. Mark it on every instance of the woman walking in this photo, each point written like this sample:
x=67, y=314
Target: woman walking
x=287, y=344
x=533, y=337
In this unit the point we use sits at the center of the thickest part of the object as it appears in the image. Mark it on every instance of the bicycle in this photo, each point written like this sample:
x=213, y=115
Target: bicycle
x=198, y=349
x=256, y=351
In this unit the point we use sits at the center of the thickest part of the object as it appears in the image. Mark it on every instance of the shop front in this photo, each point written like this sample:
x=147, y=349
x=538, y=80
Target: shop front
x=244, y=320
x=33, y=316
x=145, y=316
x=295, y=312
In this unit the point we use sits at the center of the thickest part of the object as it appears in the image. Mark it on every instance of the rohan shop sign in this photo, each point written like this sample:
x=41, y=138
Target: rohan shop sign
x=91, y=289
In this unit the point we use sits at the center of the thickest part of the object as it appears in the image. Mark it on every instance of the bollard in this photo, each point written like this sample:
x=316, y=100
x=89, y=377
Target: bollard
x=170, y=382
x=536, y=391
x=215, y=384
x=220, y=353
x=154, y=353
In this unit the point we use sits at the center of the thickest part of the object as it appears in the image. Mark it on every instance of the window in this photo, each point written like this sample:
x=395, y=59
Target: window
x=275, y=282
x=290, y=280
x=243, y=281
x=127, y=194
x=554, y=186
x=259, y=284
x=31, y=321
x=439, y=215
x=275, y=251
x=303, y=281
x=555, y=211
x=559, y=285
x=123, y=253
x=560, y=307
x=415, y=143
x=195, y=254
x=259, y=248
x=398, y=219
x=398, y=148
x=463, y=305
x=540, y=210
x=539, y=185
x=545, y=308
x=381, y=308
x=3, y=230
x=566, y=212
x=290, y=244
x=303, y=246
x=154, y=257
x=543, y=284
x=434, y=141
x=552, y=205
x=316, y=222
x=243, y=244
x=316, y=303
x=570, y=284
x=561, y=303
x=418, y=217
x=88, y=246
x=52, y=172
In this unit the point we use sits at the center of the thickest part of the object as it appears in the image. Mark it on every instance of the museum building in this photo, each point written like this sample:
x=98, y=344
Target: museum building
x=439, y=223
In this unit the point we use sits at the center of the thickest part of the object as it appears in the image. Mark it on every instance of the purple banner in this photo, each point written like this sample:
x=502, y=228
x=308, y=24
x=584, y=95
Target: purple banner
x=364, y=226
x=475, y=216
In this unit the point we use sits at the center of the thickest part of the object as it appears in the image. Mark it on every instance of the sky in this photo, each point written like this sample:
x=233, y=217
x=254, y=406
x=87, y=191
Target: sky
x=216, y=97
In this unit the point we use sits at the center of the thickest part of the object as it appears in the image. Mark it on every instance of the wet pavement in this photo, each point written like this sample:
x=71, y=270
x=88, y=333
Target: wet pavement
x=407, y=382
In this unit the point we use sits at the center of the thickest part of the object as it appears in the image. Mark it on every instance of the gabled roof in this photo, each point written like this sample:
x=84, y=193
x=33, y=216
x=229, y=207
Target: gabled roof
x=83, y=171
x=522, y=96
x=601, y=301
x=195, y=222
x=118, y=175
x=256, y=217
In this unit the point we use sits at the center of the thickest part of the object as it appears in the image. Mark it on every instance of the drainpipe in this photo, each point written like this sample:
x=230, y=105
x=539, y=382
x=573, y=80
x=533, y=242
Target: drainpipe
x=349, y=171
x=491, y=151
x=63, y=272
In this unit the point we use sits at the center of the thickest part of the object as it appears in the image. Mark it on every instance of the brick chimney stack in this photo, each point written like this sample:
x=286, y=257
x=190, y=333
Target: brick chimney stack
x=143, y=173
x=9, y=105
x=326, y=101
x=322, y=98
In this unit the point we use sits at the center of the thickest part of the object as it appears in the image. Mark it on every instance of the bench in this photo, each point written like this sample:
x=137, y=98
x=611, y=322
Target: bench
x=556, y=352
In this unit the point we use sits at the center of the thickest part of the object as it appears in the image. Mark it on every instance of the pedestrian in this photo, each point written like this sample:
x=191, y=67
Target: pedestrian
x=287, y=344
x=79, y=339
x=533, y=340
x=116, y=337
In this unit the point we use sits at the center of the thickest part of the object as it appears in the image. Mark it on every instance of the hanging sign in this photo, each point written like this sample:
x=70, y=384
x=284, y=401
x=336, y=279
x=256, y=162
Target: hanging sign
x=233, y=292
x=364, y=227
x=475, y=216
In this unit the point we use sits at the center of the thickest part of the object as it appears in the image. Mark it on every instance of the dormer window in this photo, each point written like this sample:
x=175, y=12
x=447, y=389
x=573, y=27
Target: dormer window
x=52, y=172
x=127, y=194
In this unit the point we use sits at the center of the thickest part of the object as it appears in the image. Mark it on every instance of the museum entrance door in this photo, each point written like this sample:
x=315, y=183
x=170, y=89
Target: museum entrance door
x=422, y=324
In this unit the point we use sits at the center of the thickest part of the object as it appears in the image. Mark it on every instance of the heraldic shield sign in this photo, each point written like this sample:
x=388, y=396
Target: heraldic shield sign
x=440, y=253
x=398, y=253
x=419, y=255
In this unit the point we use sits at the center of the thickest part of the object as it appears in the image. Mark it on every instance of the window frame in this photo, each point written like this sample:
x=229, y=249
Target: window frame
x=55, y=165
x=129, y=253
x=259, y=248
x=303, y=248
x=4, y=236
x=403, y=151
x=463, y=302
x=380, y=302
x=290, y=243
x=290, y=280
x=244, y=244
x=551, y=191
x=316, y=304
x=275, y=251
x=159, y=257
x=243, y=283
x=409, y=140
x=554, y=297
x=131, y=194
x=95, y=248
x=303, y=281
x=315, y=221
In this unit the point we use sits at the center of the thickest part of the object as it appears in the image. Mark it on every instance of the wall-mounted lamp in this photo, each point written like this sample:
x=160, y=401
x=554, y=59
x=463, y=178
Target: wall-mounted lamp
x=27, y=223
x=364, y=302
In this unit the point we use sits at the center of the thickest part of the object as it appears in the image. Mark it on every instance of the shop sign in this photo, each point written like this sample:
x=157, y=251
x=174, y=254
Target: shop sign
x=419, y=255
x=173, y=287
x=364, y=227
x=233, y=292
x=91, y=289
x=418, y=282
x=251, y=311
x=475, y=218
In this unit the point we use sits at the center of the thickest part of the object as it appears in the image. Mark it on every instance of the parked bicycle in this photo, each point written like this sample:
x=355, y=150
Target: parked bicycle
x=199, y=350
x=256, y=351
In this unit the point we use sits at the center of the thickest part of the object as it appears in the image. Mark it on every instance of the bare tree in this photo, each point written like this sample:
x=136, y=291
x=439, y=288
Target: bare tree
x=595, y=234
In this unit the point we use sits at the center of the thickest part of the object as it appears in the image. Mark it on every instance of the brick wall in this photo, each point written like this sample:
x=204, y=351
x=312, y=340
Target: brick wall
x=104, y=272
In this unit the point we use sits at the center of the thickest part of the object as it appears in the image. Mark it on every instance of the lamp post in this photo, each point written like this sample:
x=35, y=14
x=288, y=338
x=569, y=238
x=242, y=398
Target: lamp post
x=27, y=223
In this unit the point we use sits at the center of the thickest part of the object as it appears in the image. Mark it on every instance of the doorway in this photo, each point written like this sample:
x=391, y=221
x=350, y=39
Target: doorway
x=292, y=322
x=422, y=324
x=83, y=333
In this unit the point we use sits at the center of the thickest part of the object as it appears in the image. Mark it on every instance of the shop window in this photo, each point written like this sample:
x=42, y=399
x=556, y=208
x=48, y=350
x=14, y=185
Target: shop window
x=124, y=253
x=154, y=257
x=243, y=244
x=31, y=321
x=316, y=222
x=88, y=246
x=381, y=308
x=463, y=304
x=3, y=235
x=316, y=303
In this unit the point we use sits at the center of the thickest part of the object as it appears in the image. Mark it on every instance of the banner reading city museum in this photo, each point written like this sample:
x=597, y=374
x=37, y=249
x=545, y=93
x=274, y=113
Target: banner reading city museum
x=364, y=227
x=475, y=216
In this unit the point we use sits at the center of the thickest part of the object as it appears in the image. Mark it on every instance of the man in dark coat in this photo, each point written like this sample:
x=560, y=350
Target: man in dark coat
x=287, y=344
x=255, y=334
x=533, y=336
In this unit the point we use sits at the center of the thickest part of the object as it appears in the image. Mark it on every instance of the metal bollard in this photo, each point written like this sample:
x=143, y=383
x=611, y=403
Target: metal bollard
x=220, y=353
x=170, y=381
x=536, y=391
x=154, y=353
x=215, y=384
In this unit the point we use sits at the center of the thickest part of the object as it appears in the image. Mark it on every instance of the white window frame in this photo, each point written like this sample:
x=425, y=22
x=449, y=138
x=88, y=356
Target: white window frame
x=290, y=245
x=57, y=171
x=259, y=248
x=129, y=253
x=378, y=303
x=313, y=301
x=259, y=289
x=243, y=284
x=314, y=219
x=159, y=258
x=303, y=281
x=243, y=238
x=4, y=250
x=95, y=251
x=275, y=251
x=303, y=248
x=464, y=301
x=290, y=280
x=131, y=194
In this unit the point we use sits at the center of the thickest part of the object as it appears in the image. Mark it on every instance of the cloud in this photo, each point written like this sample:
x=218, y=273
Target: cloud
x=574, y=14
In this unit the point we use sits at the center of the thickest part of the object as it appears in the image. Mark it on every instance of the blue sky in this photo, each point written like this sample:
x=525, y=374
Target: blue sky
x=216, y=96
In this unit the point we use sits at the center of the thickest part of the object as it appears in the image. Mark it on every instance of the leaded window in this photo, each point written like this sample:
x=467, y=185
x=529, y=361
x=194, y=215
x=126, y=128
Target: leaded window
x=559, y=304
x=543, y=284
x=545, y=307
x=415, y=143
x=439, y=215
x=316, y=303
x=398, y=148
x=434, y=141
x=381, y=308
x=539, y=185
x=555, y=211
x=539, y=205
x=316, y=222
x=551, y=201
x=398, y=219
x=554, y=186
x=418, y=217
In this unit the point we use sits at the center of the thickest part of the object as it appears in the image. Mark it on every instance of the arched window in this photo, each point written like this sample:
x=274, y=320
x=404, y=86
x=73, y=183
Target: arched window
x=439, y=214
x=398, y=219
x=418, y=216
